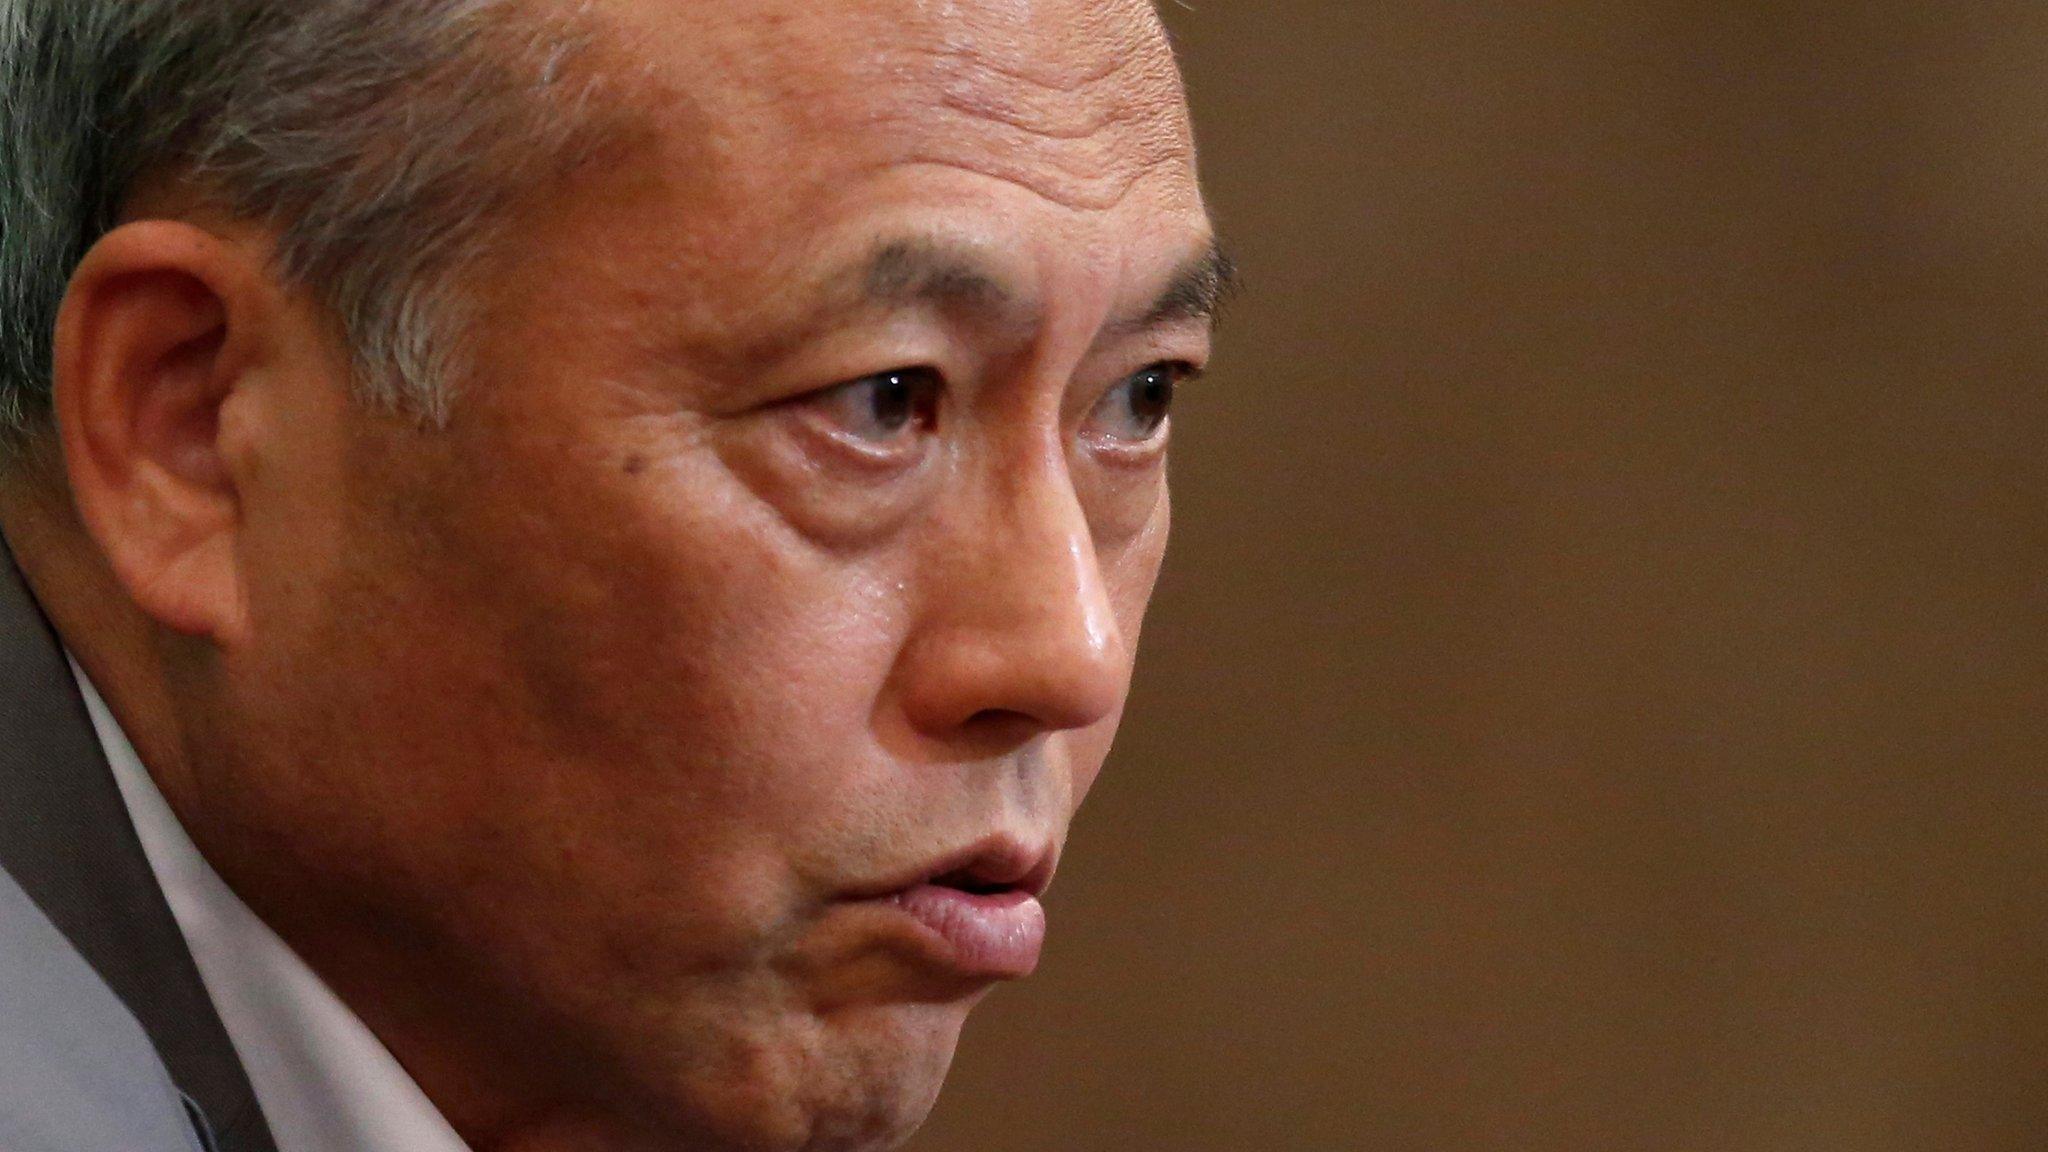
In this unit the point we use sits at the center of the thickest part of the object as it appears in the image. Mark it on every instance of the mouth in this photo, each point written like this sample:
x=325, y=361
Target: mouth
x=978, y=912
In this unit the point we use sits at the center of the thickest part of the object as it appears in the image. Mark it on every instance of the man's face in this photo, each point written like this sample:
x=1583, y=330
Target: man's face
x=691, y=722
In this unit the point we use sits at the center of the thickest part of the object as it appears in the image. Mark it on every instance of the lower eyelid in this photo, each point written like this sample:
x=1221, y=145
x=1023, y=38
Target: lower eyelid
x=1134, y=452
x=831, y=447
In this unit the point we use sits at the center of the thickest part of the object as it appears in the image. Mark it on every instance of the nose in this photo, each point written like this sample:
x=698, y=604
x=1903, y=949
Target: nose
x=1018, y=634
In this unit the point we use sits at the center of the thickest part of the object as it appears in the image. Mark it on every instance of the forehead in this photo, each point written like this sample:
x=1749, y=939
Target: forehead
x=1076, y=101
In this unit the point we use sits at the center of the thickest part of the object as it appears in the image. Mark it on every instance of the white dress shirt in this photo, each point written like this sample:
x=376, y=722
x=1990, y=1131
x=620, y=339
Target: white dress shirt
x=324, y=1081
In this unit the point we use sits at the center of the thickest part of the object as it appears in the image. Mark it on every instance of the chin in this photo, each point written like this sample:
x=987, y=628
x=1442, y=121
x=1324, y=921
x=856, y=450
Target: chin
x=855, y=1079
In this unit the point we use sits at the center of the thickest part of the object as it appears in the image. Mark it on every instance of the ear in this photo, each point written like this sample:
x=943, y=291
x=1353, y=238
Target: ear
x=163, y=331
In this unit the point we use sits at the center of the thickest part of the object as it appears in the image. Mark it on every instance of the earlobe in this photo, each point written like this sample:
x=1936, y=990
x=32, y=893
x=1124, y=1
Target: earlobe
x=160, y=335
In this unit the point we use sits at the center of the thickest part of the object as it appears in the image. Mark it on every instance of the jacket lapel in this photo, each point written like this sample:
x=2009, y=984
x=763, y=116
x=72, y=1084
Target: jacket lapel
x=67, y=841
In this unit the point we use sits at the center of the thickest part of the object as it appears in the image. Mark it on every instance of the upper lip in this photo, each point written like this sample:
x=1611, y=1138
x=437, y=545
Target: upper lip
x=999, y=863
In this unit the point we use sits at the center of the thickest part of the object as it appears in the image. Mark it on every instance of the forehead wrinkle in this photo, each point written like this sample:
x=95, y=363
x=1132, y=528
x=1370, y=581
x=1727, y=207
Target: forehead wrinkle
x=1075, y=185
x=1054, y=114
x=1093, y=96
x=1006, y=33
x=865, y=88
x=1076, y=100
x=976, y=76
x=1047, y=95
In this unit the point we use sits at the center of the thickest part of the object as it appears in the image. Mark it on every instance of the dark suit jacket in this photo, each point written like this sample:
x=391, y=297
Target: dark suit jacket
x=88, y=947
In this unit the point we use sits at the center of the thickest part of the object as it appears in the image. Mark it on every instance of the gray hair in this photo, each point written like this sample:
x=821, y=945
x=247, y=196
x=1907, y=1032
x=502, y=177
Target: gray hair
x=380, y=139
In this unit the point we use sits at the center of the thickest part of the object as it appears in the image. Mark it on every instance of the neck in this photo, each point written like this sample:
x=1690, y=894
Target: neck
x=102, y=629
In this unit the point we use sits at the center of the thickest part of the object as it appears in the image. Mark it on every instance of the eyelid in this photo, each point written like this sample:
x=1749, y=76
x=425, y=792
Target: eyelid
x=918, y=373
x=838, y=439
x=1128, y=450
x=1182, y=371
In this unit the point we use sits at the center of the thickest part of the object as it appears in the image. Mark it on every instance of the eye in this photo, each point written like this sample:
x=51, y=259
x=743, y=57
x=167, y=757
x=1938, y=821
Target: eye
x=1134, y=412
x=882, y=411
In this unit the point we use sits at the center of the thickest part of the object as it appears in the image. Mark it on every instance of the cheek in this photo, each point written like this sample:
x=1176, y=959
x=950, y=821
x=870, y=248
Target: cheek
x=1086, y=751
x=643, y=686
x=1123, y=502
x=1131, y=561
x=694, y=642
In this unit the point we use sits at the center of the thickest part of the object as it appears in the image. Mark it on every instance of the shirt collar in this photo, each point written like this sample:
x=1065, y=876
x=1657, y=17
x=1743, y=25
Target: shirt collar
x=324, y=1081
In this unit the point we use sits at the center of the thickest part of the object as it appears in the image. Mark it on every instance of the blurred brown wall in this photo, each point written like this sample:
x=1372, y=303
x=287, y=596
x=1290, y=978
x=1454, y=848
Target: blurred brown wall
x=1598, y=698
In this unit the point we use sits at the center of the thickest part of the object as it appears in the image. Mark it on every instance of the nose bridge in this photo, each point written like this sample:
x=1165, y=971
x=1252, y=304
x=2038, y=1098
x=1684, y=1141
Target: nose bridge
x=1056, y=581
x=1030, y=629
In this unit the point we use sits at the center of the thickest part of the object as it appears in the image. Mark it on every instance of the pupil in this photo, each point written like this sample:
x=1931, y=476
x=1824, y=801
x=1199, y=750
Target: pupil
x=1151, y=399
x=894, y=404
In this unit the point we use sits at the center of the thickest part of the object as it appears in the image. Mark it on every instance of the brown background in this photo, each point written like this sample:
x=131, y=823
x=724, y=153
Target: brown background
x=1598, y=698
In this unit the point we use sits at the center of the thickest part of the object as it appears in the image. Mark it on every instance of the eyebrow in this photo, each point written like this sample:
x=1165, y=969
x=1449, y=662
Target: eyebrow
x=928, y=272
x=1199, y=290
x=905, y=272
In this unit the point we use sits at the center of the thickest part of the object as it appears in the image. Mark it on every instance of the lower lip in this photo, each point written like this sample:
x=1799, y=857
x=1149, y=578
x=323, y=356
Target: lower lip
x=997, y=936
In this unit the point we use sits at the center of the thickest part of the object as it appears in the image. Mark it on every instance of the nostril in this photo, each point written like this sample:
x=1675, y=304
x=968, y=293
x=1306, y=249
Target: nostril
x=1003, y=727
x=997, y=718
